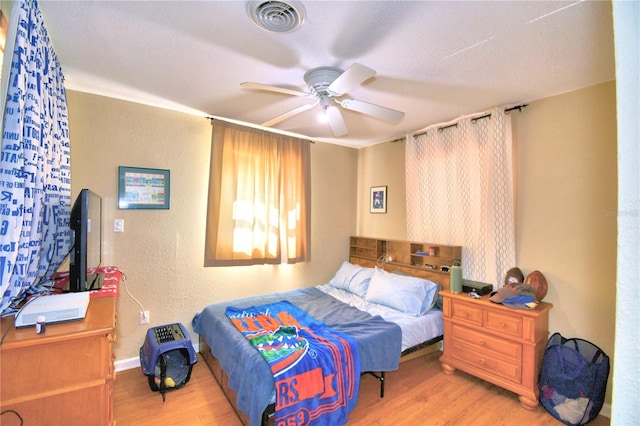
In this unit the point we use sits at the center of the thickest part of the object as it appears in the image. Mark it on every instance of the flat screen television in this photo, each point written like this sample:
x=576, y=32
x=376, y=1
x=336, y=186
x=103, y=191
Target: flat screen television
x=86, y=241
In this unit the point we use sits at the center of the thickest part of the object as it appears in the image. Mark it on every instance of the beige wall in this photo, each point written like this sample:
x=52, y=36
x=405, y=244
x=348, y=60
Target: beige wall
x=161, y=251
x=567, y=199
x=566, y=156
x=382, y=165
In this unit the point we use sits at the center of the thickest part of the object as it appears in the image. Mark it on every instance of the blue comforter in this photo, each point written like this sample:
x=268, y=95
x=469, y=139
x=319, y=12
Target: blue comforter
x=379, y=343
x=316, y=369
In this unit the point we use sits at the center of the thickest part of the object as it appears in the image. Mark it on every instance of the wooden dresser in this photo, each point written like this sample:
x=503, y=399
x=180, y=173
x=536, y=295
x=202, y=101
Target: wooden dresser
x=501, y=345
x=64, y=376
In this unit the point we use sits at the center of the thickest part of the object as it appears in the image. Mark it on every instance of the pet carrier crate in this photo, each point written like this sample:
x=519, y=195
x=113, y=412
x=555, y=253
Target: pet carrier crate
x=167, y=357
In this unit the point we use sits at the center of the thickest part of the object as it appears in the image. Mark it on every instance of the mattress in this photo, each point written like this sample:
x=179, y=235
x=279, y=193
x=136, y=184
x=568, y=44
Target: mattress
x=415, y=330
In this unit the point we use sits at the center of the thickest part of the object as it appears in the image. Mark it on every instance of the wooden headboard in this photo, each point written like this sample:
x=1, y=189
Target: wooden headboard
x=425, y=260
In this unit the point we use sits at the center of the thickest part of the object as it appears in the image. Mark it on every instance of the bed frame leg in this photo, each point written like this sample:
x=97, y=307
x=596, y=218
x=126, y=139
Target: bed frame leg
x=380, y=377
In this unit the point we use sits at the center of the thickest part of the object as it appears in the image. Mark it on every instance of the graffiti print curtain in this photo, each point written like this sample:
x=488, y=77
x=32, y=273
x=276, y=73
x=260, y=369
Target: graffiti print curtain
x=35, y=173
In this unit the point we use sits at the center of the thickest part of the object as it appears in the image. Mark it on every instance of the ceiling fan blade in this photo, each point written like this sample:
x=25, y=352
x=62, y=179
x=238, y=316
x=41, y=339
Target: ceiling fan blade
x=288, y=114
x=372, y=109
x=277, y=89
x=352, y=77
x=336, y=122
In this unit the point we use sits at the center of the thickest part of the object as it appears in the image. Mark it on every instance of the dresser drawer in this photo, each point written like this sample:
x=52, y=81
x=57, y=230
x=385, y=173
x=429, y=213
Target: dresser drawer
x=484, y=360
x=512, y=350
x=466, y=312
x=504, y=323
x=68, y=364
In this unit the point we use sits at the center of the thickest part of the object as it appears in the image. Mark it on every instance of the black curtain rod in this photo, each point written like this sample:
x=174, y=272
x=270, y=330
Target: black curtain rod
x=518, y=107
x=474, y=119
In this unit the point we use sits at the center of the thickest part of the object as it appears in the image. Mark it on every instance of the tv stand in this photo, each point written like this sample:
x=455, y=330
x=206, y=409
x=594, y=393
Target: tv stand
x=64, y=376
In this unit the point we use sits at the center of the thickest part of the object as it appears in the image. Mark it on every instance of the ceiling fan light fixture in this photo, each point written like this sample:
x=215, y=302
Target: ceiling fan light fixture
x=323, y=117
x=325, y=102
x=277, y=16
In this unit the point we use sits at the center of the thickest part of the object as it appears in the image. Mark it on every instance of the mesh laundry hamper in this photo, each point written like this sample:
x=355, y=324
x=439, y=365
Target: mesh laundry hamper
x=573, y=379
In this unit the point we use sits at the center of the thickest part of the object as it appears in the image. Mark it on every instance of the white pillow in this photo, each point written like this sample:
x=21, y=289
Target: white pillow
x=411, y=295
x=353, y=278
x=360, y=282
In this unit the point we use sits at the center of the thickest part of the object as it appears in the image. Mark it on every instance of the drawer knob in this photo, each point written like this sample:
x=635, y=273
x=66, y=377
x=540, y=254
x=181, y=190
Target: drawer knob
x=481, y=361
x=482, y=343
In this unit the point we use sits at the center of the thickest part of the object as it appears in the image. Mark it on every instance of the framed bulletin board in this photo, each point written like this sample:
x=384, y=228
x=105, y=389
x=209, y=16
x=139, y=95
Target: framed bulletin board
x=141, y=188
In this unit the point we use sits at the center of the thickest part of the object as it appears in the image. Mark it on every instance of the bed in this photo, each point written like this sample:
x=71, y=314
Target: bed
x=390, y=315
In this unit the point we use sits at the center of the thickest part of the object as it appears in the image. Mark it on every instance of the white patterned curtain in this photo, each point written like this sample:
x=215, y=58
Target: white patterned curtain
x=460, y=192
x=35, y=174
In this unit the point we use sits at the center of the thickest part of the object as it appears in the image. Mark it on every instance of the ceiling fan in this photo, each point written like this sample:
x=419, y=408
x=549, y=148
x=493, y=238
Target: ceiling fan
x=328, y=85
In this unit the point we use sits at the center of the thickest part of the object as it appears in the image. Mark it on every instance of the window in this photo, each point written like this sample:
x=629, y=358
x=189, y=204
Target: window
x=259, y=198
x=4, y=26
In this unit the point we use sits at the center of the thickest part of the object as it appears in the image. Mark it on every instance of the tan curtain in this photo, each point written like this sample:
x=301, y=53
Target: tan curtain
x=259, y=196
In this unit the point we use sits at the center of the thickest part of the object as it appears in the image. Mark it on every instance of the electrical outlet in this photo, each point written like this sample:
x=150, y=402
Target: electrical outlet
x=144, y=317
x=388, y=258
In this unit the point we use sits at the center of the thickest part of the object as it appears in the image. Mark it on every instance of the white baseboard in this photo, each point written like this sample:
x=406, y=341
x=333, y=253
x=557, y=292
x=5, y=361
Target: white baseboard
x=127, y=364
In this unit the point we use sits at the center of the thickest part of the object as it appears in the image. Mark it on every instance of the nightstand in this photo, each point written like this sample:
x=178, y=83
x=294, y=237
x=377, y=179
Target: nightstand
x=501, y=345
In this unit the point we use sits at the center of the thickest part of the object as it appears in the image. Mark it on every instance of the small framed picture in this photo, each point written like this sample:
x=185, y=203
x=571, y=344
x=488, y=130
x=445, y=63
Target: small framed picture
x=378, y=199
x=141, y=188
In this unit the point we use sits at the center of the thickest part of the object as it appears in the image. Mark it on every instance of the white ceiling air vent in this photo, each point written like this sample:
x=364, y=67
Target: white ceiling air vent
x=277, y=16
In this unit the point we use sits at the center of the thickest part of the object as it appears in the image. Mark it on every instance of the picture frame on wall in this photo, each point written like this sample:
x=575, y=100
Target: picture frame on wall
x=143, y=188
x=378, y=203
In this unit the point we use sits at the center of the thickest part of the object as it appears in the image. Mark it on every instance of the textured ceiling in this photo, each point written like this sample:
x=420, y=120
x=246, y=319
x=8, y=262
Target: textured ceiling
x=435, y=60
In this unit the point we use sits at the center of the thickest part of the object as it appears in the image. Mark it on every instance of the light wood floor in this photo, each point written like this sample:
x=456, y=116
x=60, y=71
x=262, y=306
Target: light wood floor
x=419, y=393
